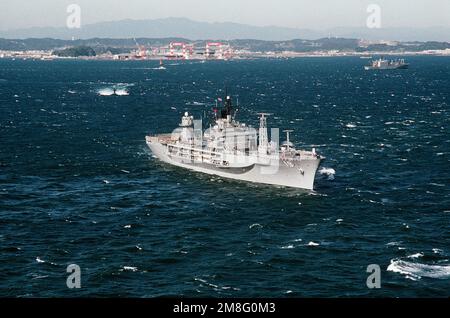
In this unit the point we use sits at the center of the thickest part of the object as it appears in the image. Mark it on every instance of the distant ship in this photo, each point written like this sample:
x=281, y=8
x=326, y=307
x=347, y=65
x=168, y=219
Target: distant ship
x=231, y=149
x=383, y=64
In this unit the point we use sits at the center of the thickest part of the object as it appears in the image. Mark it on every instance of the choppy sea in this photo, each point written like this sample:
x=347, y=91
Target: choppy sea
x=79, y=186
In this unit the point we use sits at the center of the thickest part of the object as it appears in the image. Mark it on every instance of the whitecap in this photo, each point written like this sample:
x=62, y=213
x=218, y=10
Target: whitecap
x=350, y=125
x=437, y=251
x=122, y=92
x=105, y=92
x=109, y=91
x=437, y=184
x=130, y=268
x=287, y=247
x=39, y=276
x=195, y=104
x=417, y=255
x=255, y=225
x=330, y=172
x=313, y=244
x=39, y=260
x=205, y=282
x=416, y=271
x=127, y=226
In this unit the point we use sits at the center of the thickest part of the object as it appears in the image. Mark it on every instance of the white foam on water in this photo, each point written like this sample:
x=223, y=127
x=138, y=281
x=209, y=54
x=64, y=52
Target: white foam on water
x=39, y=260
x=350, y=125
x=313, y=244
x=205, y=282
x=39, y=276
x=122, y=92
x=327, y=171
x=395, y=243
x=330, y=172
x=196, y=104
x=255, y=225
x=105, y=92
x=437, y=251
x=109, y=91
x=417, y=255
x=130, y=268
x=416, y=271
x=290, y=246
x=127, y=226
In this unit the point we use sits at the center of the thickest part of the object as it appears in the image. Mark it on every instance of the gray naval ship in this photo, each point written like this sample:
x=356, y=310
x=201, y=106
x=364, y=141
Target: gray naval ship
x=231, y=149
x=383, y=64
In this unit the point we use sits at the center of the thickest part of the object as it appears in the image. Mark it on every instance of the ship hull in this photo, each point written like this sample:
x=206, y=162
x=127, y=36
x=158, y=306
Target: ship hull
x=399, y=67
x=277, y=172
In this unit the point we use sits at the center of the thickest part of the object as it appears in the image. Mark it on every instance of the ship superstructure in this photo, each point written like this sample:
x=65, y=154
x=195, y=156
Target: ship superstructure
x=231, y=149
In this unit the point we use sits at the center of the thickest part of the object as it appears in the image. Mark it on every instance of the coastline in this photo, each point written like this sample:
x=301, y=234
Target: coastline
x=47, y=55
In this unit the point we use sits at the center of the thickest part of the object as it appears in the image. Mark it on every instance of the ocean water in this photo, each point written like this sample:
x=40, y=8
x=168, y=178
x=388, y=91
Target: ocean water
x=79, y=186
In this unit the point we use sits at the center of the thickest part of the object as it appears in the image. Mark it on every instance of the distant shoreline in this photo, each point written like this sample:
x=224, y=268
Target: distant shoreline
x=46, y=56
x=185, y=49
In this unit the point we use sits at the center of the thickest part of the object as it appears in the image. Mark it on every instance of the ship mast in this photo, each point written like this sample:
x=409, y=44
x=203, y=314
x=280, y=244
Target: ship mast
x=227, y=111
x=288, y=142
x=263, y=136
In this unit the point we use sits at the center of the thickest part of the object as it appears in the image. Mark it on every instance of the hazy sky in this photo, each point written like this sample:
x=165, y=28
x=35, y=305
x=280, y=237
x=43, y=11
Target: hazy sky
x=313, y=14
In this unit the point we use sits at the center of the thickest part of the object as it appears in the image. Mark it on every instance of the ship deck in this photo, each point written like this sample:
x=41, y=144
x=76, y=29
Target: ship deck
x=162, y=138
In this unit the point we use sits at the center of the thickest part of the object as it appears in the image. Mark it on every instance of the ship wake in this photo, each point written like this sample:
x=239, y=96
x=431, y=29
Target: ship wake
x=416, y=271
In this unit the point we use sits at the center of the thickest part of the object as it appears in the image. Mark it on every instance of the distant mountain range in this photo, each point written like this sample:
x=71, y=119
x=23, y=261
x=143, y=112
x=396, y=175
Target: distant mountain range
x=185, y=28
